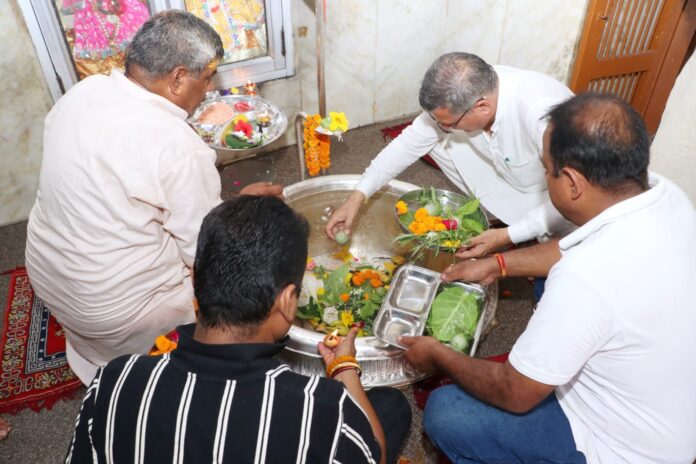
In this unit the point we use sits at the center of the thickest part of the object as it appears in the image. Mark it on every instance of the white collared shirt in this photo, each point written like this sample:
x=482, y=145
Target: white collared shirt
x=615, y=330
x=503, y=169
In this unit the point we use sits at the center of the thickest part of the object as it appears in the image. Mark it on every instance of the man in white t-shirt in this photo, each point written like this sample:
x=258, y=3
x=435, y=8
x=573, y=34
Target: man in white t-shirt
x=599, y=374
x=483, y=125
x=124, y=186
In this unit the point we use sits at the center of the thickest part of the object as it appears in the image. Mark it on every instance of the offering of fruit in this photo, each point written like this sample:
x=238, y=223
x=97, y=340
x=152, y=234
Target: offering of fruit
x=341, y=237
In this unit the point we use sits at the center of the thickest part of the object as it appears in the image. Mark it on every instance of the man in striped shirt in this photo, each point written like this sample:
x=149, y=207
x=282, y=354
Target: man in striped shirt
x=221, y=396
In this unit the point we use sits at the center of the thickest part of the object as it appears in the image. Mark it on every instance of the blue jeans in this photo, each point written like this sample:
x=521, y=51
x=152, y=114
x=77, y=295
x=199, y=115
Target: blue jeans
x=539, y=286
x=467, y=430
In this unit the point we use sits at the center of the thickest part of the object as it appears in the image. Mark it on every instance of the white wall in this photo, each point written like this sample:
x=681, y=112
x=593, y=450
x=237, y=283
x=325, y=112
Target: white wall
x=376, y=54
x=378, y=50
x=24, y=103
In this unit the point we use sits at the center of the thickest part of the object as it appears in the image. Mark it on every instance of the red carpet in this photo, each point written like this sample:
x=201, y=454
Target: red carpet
x=34, y=372
x=392, y=132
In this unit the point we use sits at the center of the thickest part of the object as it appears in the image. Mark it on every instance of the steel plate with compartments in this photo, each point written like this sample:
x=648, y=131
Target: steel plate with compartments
x=405, y=309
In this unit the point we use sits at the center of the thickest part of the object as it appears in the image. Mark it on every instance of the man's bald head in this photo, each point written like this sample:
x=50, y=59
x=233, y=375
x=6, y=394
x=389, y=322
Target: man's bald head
x=602, y=137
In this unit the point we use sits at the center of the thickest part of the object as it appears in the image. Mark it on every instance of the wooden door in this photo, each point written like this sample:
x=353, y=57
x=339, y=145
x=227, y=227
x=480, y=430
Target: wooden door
x=623, y=49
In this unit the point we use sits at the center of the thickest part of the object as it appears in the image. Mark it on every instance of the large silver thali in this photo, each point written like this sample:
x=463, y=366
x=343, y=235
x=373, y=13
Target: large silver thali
x=212, y=133
x=372, y=236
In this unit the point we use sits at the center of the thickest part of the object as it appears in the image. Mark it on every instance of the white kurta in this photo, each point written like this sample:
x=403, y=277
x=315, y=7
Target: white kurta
x=503, y=169
x=614, y=330
x=124, y=186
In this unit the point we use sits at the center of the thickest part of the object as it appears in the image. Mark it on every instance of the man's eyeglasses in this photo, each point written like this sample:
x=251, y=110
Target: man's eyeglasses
x=447, y=128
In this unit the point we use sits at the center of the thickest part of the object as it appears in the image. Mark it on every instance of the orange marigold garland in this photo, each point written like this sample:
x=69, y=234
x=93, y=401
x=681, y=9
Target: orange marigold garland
x=317, y=146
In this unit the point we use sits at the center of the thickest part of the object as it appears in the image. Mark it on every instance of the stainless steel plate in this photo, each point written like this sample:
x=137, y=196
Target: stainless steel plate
x=406, y=306
x=446, y=198
x=373, y=236
x=211, y=133
x=413, y=289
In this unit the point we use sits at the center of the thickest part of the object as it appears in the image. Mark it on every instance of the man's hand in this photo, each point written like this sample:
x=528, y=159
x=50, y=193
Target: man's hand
x=263, y=188
x=345, y=348
x=421, y=352
x=343, y=217
x=482, y=271
x=484, y=244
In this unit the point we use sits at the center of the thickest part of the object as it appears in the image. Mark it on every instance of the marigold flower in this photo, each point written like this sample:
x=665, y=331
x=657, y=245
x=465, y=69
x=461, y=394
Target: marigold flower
x=401, y=208
x=163, y=345
x=418, y=228
x=358, y=279
x=317, y=146
x=440, y=227
x=376, y=283
x=421, y=214
x=344, y=297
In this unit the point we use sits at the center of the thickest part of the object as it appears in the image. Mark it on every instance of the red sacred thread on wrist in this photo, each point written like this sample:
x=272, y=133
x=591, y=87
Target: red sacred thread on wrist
x=501, y=264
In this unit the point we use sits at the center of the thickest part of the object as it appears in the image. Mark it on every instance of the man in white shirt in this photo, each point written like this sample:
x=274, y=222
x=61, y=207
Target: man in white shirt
x=124, y=186
x=495, y=153
x=599, y=373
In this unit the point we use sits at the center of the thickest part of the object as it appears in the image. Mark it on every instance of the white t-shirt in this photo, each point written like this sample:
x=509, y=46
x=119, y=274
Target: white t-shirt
x=615, y=331
x=503, y=169
x=124, y=186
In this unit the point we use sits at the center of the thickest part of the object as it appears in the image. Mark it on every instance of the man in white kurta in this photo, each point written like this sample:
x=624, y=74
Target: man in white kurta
x=124, y=187
x=497, y=158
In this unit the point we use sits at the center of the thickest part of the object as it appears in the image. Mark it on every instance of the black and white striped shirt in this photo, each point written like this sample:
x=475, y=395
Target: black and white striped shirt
x=218, y=404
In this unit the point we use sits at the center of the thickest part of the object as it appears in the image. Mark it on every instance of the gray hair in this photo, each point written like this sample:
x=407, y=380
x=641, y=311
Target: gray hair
x=456, y=81
x=173, y=38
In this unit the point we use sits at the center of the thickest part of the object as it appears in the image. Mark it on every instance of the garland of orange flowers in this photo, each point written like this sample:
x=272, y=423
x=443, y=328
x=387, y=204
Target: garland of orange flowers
x=317, y=146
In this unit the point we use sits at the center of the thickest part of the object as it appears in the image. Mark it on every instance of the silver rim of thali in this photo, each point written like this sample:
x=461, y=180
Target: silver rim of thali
x=382, y=364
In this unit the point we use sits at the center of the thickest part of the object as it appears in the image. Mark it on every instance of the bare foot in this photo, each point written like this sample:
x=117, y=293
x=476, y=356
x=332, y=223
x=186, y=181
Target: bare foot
x=4, y=428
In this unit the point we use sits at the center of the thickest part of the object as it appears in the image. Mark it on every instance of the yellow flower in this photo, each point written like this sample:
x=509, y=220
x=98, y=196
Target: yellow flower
x=440, y=227
x=347, y=318
x=401, y=208
x=240, y=117
x=398, y=260
x=346, y=279
x=421, y=214
x=451, y=243
x=429, y=223
x=389, y=267
x=320, y=291
x=339, y=122
x=343, y=255
x=162, y=345
x=417, y=228
x=234, y=90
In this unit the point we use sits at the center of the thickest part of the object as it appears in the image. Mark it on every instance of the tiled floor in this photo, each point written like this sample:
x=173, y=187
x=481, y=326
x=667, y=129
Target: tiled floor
x=43, y=437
